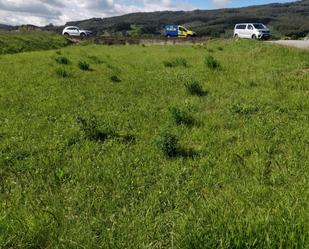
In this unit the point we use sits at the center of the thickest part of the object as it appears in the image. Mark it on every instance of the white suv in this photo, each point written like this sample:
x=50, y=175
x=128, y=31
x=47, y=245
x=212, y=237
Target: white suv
x=75, y=31
x=251, y=31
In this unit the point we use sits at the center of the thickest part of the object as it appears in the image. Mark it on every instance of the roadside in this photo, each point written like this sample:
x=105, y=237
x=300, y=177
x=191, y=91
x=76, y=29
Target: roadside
x=293, y=43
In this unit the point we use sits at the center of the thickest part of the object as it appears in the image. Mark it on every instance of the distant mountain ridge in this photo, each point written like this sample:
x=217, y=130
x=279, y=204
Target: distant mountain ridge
x=291, y=19
x=286, y=19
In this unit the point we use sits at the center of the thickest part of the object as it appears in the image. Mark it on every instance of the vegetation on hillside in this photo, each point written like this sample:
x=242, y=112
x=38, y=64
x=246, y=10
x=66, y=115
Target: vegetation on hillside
x=134, y=152
x=15, y=42
x=289, y=19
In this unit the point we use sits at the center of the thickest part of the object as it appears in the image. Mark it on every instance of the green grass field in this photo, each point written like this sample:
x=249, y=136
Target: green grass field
x=155, y=147
x=16, y=42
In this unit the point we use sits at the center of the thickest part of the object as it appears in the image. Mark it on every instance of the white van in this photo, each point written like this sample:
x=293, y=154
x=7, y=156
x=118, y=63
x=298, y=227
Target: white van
x=251, y=31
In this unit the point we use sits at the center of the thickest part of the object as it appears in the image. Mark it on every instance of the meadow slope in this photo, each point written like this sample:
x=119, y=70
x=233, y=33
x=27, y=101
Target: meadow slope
x=155, y=147
x=16, y=42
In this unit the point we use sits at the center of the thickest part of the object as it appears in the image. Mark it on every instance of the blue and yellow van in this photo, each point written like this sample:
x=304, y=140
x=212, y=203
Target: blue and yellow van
x=178, y=31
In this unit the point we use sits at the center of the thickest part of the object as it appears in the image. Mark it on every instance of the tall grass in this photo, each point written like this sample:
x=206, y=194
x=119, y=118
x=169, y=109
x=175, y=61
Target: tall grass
x=85, y=163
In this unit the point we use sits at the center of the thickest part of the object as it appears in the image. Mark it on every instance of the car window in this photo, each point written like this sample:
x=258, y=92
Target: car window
x=250, y=27
x=241, y=26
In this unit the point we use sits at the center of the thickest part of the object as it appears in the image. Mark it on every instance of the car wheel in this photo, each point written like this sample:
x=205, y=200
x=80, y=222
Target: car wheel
x=67, y=35
x=168, y=36
x=254, y=37
x=82, y=35
x=236, y=36
x=188, y=36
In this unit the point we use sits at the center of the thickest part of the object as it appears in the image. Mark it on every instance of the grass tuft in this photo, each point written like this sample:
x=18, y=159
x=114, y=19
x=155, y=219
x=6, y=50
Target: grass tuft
x=195, y=88
x=92, y=130
x=85, y=66
x=168, y=144
x=62, y=60
x=178, y=62
x=115, y=79
x=211, y=62
x=182, y=117
x=61, y=72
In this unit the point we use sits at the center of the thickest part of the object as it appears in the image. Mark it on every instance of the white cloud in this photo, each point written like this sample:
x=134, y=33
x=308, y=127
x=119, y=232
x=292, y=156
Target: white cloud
x=221, y=2
x=42, y=12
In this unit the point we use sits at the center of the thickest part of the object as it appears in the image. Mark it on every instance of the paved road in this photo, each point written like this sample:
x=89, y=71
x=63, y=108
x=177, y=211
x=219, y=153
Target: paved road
x=292, y=43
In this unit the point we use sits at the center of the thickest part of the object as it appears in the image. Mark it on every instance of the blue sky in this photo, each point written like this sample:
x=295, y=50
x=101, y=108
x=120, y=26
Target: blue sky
x=43, y=12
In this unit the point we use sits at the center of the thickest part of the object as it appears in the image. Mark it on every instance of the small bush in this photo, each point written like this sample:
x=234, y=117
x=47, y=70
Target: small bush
x=83, y=65
x=194, y=88
x=182, y=117
x=62, y=60
x=220, y=48
x=176, y=62
x=211, y=62
x=168, y=144
x=115, y=79
x=61, y=72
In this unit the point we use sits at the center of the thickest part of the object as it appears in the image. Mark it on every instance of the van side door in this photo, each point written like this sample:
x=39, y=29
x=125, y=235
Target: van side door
x=181, y=31
x=249, y=31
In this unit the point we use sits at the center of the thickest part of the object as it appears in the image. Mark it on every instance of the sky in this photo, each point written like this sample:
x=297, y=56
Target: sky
x=58, y=12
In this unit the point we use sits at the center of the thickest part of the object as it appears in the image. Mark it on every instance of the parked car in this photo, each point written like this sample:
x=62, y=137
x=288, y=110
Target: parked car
x=75, y=31
x=178, y=31
x=251, y=31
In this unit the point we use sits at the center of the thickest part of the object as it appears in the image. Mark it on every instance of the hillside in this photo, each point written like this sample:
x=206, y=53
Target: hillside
x=15, y=42
x=186, y=147
x=286, y=19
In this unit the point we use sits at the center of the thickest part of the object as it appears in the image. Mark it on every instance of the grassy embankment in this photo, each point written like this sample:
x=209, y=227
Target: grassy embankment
x=154, y=147
x=16, y=42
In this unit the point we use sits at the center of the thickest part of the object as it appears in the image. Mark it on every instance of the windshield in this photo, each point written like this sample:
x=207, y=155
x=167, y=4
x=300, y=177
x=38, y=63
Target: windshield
x=259, y=26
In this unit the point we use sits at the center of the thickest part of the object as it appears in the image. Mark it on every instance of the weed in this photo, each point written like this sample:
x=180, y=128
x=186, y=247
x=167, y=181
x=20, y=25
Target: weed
x=61, y=72
x=211, y=62
x=62, y=60
x=182, y=117
x=194, y=88
x=115, y=79
x=176, y=63
x=83, y=65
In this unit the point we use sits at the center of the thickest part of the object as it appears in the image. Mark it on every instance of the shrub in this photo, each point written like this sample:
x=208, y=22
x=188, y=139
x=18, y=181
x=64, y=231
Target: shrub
x=194, y=88
x=61, y=72
x=115, y=79
x=211, y=62
x=176, y=62
x=83, y=65
x=62, y=60
x=168, y=144
x=181, y=117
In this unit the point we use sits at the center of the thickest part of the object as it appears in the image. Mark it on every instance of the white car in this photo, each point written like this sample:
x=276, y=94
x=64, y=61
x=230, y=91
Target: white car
x=251, y=31
x=75, y=31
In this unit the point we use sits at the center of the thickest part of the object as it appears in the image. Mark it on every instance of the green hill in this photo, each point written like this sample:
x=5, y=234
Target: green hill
x=155, y=147
x=291, y=19
x=15, y=42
